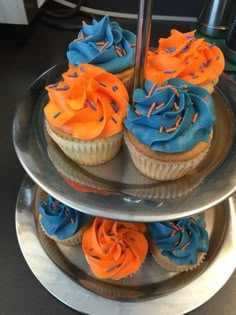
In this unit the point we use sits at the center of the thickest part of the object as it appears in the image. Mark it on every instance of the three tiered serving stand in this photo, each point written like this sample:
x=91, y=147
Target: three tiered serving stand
x=118, y=191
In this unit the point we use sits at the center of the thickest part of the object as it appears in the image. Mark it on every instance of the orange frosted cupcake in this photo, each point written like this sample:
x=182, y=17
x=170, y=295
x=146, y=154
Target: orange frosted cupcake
x=85, y=113
x=114, y=249
x=184, y=56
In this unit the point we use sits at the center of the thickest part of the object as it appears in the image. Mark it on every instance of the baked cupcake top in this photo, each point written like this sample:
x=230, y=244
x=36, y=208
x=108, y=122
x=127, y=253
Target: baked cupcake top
x=173, y=117
x=60, y=220
x=89, y=103
x=184, y=56
x=114, y=249
x=104, y=44
x=181, y=240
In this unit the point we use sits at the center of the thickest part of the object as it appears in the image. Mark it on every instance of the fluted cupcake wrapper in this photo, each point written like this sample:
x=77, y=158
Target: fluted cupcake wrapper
x=160, y=170
x=92, y=152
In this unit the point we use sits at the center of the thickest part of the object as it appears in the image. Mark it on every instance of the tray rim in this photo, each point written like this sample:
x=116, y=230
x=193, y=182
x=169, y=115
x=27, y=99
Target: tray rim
x=124, y=211
x=59, y=285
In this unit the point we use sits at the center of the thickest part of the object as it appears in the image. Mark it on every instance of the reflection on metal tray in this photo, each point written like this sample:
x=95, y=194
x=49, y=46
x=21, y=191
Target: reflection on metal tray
x=117, y=189
x=64, y=272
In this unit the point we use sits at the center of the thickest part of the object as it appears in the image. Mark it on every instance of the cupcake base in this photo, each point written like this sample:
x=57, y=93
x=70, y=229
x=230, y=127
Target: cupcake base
x=92, y=152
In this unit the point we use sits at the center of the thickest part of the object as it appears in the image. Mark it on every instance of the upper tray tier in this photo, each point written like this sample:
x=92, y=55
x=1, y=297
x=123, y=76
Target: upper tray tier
x=116, y=189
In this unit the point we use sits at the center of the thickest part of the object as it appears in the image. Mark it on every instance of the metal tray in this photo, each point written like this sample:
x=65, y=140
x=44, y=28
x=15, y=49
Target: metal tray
x=63, y=271
x=116, y=189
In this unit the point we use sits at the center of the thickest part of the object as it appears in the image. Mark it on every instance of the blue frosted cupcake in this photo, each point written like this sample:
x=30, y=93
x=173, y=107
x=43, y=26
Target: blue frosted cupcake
x=169, y=128
x=62, y=223
x=179, y=245
x=106, y=45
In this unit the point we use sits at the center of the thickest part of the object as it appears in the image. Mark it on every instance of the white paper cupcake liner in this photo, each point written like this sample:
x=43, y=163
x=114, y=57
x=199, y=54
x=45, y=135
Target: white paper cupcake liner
x=160, y=170
x=92, y=152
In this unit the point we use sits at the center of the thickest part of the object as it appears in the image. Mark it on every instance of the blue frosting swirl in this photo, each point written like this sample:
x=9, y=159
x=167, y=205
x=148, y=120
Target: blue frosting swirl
x=60, y=220
x=172, y=117
x=87, y=48
x=180, y=241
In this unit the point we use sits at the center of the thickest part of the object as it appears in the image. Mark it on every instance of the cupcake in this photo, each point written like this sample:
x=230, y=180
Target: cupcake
x=61, y=223
x=184, y=56
x=105, y=44
x=169, y=128
x=114, y=249
x=179, y=245
x=85, y=113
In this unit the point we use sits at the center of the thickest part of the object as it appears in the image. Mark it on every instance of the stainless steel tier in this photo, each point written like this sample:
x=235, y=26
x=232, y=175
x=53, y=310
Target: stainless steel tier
x=64, y=272
x=117, y=189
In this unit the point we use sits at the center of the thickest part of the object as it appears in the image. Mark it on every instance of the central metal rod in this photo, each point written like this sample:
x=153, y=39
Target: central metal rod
x=143, y=39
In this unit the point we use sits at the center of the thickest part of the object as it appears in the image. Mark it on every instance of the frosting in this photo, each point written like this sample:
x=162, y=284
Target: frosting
x=103, y=44
x=114, y=249
x=173, y=117
x=180, y=241
x=184, y=56
x=60, y=220
x=89, y=103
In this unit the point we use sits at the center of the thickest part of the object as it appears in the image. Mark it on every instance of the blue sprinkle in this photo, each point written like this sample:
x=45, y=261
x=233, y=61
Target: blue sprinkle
x=114, y=88
x=56, y=114
x=101, y=118
x=102, y=84
x=73, y=75
x=115, y=121
x=186, y=48
x=170, y=49
x=63, y=88
x=114, y=106
x=52, y=85
x=91, y=104
x=169, y=71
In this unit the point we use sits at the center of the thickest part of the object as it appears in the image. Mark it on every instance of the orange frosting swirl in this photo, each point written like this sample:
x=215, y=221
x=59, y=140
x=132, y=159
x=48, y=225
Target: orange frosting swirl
x=183, y=56
x=114, y=249
x=89, y=103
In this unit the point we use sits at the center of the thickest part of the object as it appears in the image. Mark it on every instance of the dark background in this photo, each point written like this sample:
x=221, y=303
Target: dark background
x=25, y=53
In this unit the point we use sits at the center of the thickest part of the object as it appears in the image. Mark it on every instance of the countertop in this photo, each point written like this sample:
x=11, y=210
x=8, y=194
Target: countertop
x=21, y=63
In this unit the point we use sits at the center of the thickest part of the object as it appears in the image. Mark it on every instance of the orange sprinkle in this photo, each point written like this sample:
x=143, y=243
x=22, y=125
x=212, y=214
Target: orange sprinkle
x=176, y=243
x=161, y=129
x=185, y=246
x=152, y=89
x=176, y=107
x=117, y=49
x=173, y=233
x=194, y=119
x=175, y=91
x=160, y=105
x=84, y=23
x=124, y=52
x=205, y=99
x=151, y=109
x=178, y=121
x=138, y=112
x=100, y=43
x=104, y=46
x=132, y=45
x=171, y=129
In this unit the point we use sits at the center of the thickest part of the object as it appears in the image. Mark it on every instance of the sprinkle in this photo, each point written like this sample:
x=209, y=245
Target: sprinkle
x=113, y=268
x=63, y=88
x=100, y=43
x=201, y=68
x=106, y=250
x=56, y=114
x=169, y=71
x=152, y=89
x=124, y=52
x=72, y=220
x=190, y=233
x=186, y=48
x=185, y=246
x=91, y=104
x=151, y=109
x=171, y=129
x=114, y=106
x=66, y=213
x=117, y=49
x=170, y=49
x=176, y=107
x=160, y=105
x=169, y=86
x=52, y=85
x=114, y=88
x=84, y=23
x=194, y=119
x=115, y=121
x=217, y=57
x=137, y=112
x=181, y=229
x=53, y=207
x=132, y=45
x=89, y=36
x=175, y=226
x=178, y=121
x=100, y=118
x=176, y=243
x=189, y=37
x=96, y=257
x=193, y=218
x=205, y=99
x=82, y=70
x=103, y=84
x=132, y=239
x=161, y=129
x=193, y=75
x=104, y=46
x=173, y=233
x=73, y=75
